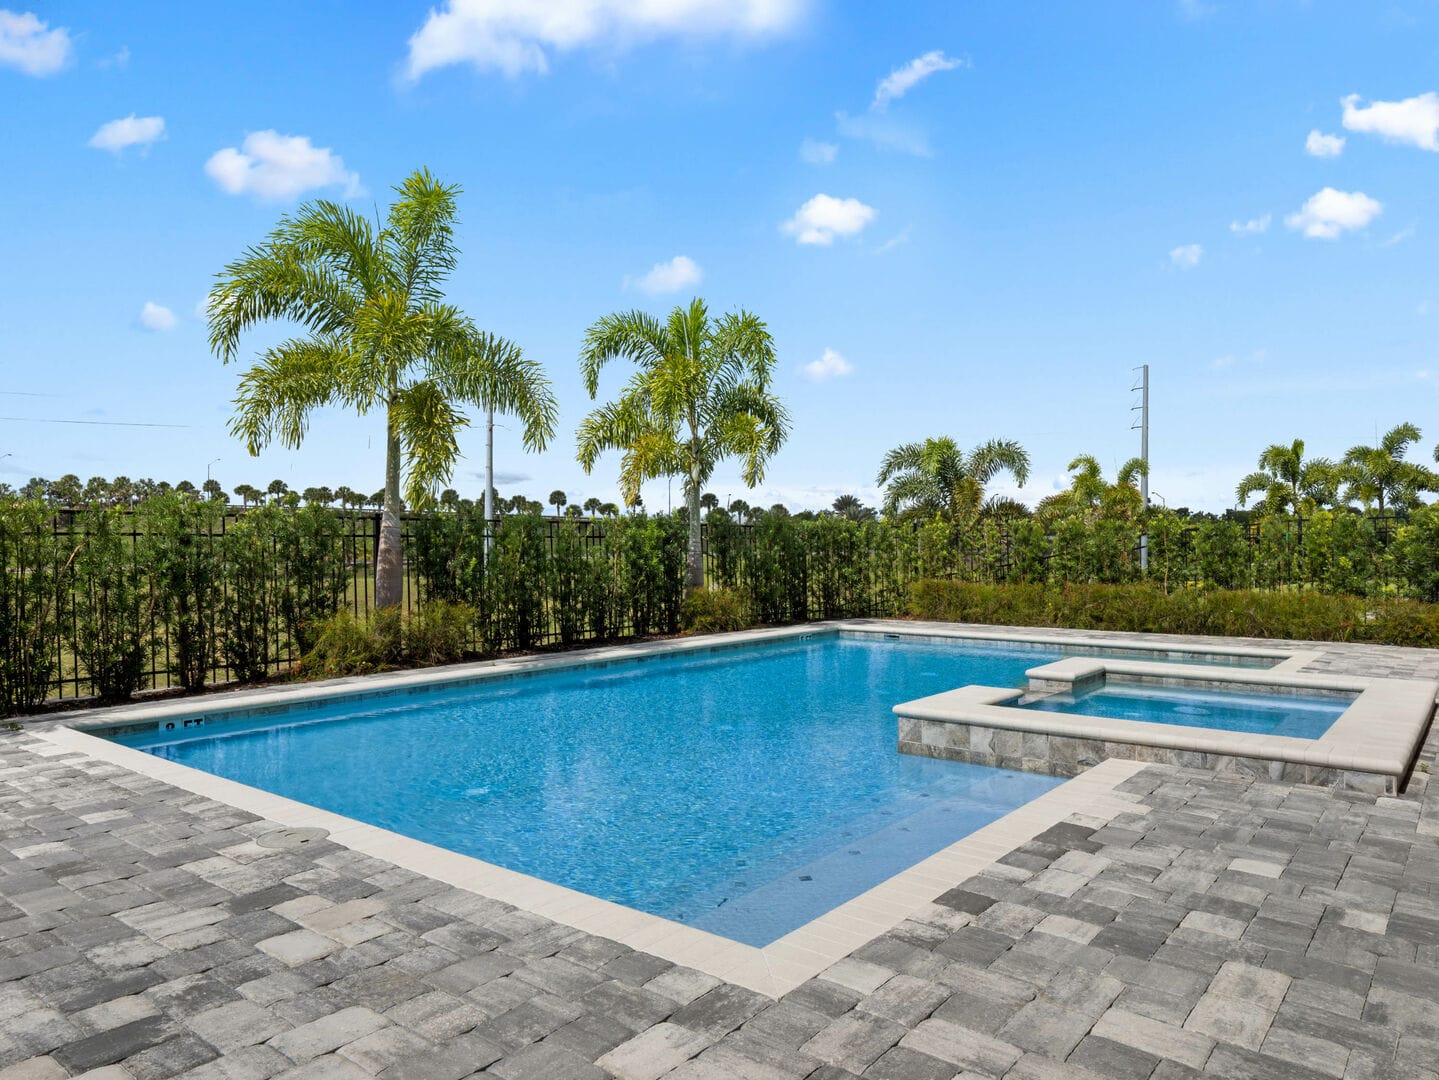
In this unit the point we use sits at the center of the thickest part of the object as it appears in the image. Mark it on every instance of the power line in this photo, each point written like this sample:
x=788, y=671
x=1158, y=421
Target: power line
x=96, y=423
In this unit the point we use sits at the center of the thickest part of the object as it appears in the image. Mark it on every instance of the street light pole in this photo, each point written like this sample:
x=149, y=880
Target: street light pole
x=207, y=469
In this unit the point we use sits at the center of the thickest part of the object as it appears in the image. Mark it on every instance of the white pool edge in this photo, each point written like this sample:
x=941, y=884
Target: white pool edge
x=773, y=970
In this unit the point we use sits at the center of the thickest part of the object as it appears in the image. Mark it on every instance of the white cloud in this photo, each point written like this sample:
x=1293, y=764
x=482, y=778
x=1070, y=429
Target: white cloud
x=1414, y=120
x=1318, y=144
x=902, y=80
x=1186, y=256
x=1252, y=226
x=118, y=60
x=885, y=132
x=830, y=365
x=29, y=45
x=155, y=316
x=1329, y=213
x=131, y=130
x=275, y=166
x=816, y=152
x=1403, y=234
x=824, y=217
x=667, y=277
x=516, y=36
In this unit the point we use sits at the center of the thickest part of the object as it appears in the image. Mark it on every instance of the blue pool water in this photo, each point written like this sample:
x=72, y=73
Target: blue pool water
x=743, y=791
x=1298, y=715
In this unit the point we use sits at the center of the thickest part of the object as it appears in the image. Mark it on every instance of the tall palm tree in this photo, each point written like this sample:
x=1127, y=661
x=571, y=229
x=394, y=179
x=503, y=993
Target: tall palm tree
x=1091, y=496
x=936, y=478
x=700, y=394
x=1288, y=482
x=379, y=336
x=1379, y=475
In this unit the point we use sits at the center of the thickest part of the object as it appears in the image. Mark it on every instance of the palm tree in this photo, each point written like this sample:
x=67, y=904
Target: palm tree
x=1091, y=496
x=1379, y=475
x=558, y=500
x=709, y=501
x=700, y=393
x=248, y=493
x=379, y=336
x=937, y=478
x=592, y=506
x=67, y=491
x=1288, y=482
x=213, y=491
x=850, y=506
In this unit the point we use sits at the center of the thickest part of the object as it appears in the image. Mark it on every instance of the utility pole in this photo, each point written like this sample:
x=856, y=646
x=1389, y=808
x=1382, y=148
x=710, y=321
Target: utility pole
x=1143, y=424
x=489, y=472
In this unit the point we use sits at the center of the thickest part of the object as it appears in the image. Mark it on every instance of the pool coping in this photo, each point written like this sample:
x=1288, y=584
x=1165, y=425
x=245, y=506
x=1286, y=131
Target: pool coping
x=1379, y=733
x=774, y=969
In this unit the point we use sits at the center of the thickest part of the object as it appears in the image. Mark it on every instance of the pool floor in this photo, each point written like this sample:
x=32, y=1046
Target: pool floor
x=743, y=791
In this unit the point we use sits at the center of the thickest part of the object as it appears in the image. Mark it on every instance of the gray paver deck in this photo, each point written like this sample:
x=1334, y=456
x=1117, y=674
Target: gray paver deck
x=1238, y=929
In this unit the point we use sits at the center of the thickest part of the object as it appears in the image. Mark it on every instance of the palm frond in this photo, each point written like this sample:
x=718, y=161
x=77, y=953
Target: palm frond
x=429, y=427
x=286, y=384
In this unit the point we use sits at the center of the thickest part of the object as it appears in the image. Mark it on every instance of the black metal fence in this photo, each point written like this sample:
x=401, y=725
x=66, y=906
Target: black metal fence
x=543, y=582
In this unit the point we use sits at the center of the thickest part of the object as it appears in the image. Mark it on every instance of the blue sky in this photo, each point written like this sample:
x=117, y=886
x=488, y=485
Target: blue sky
x=970, y=219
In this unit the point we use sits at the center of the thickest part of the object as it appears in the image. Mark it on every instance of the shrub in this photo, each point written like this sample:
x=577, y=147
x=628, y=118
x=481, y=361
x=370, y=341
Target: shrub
x=315, y=576
x=33, y=577
x=448, y=553
x=515, y=583
x=714, y=611
x=573, y=581
x=777, y=571
x=180, y=547
x=1295, y=615
x=111, y=635
x=347, y=644
x=250, y=617
x=439, y=633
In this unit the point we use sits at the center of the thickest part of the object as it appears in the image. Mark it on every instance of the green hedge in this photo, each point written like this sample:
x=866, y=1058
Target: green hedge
x=1307, y=616
x=180, y=592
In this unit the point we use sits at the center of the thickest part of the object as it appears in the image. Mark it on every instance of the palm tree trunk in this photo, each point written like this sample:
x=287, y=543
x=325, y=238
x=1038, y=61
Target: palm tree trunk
x=389, y=559
x=695, y=571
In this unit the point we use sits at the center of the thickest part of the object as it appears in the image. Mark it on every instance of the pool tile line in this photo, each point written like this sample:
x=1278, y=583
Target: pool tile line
x=773, y=970
x=281, y=698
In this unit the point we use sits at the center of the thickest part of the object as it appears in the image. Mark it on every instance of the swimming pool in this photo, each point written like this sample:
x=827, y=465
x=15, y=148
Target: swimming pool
x=1303, y=716
x=743, y=791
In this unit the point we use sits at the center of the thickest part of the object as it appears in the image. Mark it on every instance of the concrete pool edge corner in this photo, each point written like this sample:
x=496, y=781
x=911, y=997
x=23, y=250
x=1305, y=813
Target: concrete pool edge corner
x=773, y=970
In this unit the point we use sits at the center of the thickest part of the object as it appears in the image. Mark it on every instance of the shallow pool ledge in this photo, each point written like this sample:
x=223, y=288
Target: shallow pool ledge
x=1371, y=746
